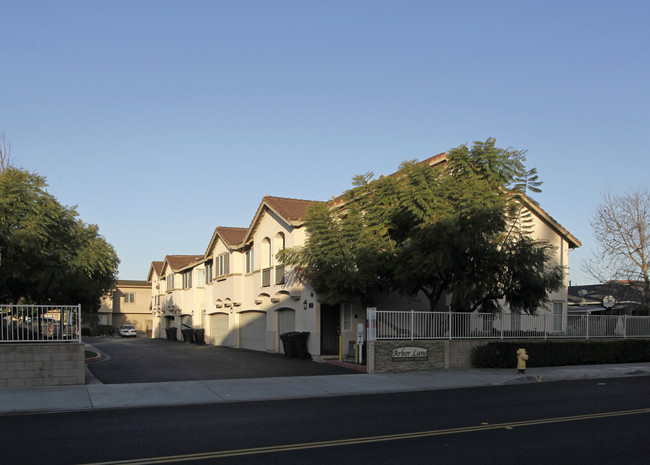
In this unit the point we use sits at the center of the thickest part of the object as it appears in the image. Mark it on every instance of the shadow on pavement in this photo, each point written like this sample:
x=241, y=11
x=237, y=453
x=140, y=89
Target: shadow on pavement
x=143, y=360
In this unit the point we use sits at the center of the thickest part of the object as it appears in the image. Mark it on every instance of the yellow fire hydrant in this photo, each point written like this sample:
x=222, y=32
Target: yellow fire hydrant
x=522, y=356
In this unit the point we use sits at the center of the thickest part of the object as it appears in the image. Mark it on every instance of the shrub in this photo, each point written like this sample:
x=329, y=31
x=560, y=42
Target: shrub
x=560, y=353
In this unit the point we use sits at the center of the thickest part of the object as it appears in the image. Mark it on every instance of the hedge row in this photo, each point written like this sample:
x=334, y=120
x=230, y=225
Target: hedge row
x=100, y=330
x=561, y=353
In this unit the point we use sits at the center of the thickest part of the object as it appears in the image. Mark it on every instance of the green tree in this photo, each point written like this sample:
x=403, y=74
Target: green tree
x=47, y=254
x=459, y=229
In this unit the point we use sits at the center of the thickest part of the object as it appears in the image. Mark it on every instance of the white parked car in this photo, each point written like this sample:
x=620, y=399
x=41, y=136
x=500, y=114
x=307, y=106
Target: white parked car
x=126, y=330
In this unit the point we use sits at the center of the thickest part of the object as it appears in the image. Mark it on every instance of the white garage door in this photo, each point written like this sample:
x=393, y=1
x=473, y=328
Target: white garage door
x=219, y=328
x=286, y=323
x=252, y=330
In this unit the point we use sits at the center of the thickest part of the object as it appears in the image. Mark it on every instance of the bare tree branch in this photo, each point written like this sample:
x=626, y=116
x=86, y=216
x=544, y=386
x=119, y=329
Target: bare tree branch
x=621, y=227
x=5, y=152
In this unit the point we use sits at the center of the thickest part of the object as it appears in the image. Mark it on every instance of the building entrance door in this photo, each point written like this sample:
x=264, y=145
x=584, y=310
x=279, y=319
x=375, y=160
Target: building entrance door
x=330, y=320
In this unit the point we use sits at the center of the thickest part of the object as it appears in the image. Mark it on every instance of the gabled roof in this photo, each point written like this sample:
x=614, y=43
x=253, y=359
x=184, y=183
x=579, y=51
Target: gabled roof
x=156, y=267
x=232, y=237
x=291, y=210
x=177, y=262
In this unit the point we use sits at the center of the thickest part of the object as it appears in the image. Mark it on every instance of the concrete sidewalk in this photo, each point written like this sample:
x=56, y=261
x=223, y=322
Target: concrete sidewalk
x=105, y=396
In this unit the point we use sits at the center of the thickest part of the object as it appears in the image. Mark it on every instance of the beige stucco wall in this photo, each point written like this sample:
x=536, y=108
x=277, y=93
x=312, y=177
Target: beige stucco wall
x=115, y=311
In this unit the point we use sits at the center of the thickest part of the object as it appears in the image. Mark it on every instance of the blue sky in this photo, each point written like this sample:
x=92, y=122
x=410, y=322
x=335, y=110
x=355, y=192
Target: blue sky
x=161, y=120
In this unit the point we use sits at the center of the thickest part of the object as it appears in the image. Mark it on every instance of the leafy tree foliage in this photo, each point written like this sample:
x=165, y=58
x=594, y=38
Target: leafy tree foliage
x=460, y=229
x=47, y=254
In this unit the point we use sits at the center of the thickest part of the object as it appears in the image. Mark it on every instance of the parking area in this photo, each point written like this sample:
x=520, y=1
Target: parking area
x=145, y=360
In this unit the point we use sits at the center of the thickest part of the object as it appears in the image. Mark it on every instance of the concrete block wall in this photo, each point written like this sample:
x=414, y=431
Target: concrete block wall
x=441, y=355
x=47, y=364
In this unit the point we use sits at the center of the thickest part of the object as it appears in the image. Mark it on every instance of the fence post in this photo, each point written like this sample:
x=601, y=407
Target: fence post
x=450, y=325
x=412, y=318
x=546, y=324
x=79, y=322
x=371, y=321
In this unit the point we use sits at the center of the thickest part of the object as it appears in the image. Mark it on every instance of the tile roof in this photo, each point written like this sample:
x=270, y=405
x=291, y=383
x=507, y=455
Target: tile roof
x=289, y=209
x=231, y=236
x=157, y=267
x=177, y=262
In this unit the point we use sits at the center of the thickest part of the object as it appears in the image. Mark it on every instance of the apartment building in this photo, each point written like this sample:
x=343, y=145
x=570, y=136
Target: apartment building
x=241, y=297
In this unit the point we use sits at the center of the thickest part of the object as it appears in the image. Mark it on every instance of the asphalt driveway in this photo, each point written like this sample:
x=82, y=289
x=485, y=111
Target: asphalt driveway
x=145, y=360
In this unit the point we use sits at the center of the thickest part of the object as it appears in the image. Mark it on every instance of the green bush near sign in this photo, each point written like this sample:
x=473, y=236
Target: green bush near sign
x=562, y=353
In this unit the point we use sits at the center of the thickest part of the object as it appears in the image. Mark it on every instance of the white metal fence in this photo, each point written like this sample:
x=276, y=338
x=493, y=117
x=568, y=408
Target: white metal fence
x=448, y=325
x=40, y=323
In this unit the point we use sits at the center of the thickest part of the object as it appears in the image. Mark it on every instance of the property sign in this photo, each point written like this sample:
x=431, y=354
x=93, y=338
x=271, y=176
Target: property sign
x=410, y=354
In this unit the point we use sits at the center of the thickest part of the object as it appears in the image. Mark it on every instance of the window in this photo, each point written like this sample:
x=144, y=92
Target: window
x=347, y=317
x=170, y=282
x=200, y=278
x=208, y=272
x=249, y=261
x=223, y=264
x=266, y=253
x=129, y=298
x=187, y=280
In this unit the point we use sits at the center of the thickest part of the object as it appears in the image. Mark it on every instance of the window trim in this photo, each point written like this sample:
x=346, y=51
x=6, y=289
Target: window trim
x=223, y=264
x=249, y=261
x=187, y=280
x=209, y=270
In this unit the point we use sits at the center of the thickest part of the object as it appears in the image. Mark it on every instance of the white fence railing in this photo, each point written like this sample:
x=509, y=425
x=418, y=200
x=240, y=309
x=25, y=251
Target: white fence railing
x=40, y=323
x=448, y=325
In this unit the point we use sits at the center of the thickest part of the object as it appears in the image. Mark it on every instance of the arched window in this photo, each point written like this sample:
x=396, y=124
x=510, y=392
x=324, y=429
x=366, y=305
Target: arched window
x=266, y=253
x=278, y=244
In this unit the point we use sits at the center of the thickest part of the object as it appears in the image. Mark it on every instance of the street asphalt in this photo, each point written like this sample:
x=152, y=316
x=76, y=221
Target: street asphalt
x=283, y=384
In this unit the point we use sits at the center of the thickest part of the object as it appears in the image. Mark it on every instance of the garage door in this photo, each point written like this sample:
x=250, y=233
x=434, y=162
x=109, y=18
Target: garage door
x=252, y=330
x=219, y=328
x=286, y=323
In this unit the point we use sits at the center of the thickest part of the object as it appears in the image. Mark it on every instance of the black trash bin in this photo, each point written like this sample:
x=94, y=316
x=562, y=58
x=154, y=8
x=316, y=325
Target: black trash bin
x=199, y=336
x=171, y=334
x=188, y=335
x=287, y=343
x=300, y=344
